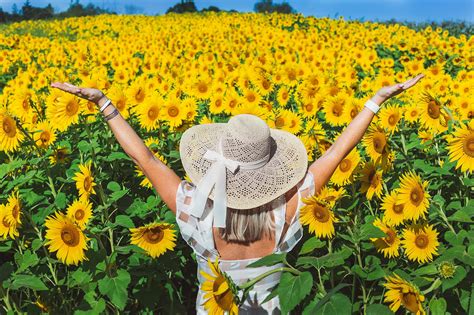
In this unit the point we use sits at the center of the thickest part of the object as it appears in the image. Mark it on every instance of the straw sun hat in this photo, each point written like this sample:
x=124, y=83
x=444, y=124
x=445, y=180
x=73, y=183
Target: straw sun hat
x=240, y=164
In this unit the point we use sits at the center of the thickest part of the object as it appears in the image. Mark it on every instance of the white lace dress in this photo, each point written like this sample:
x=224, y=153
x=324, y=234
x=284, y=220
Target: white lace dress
x=198, y=234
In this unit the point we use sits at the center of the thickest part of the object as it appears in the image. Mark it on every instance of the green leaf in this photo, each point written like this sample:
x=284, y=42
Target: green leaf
x=10, y=167
x=337, y=304
x=26, y=260
x=369, y=230
x=28, y=281
x=80, y=278
x=378, y=309
x=359, y=271
x=378, y=273
x=293, y=289
x=117, y=156
x=269, y=260
x=116, y=195
x=328, y=260
x=60, y=200
x=461, y=216
x=123, y=220
x=36, y=244
x=113, y=186
x=459, y=274
x=438, y=306
x=311, y=244
x=427, y=270
x=116, y=288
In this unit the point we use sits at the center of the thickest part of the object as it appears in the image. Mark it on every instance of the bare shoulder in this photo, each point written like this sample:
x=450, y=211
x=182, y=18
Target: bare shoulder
x=291, y=197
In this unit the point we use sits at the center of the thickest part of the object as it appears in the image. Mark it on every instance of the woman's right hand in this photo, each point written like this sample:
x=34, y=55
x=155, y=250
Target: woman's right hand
x=90, y=94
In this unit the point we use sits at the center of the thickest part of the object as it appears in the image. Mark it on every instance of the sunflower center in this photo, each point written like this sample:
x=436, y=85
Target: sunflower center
x=87, y=183
x=44, y=137
x=9, y=126
x=374, y=179
x=5, y=222
x=390, y=238
x=337, y=109
x=379, y=142
x=433, y=109
x=410, y=302
x=154, y=235
x=140, y=95
x=152, y=113
x=309, y=107
x=266, y=84
x=71, y=108
x=232, y=103
x=392, y=120
x=284, y=95
x=173, y=111
x=120, y=105
x=279, y=122
x=321, y=213
x=398, y=209
x=416, y=196
x=468, y=145
x=25, y=104
x=202, y=87
x=345, y=165
x=421, y=241
x=353, y=113
x=15, y=211
x=413, y=113
x=70, y=235
x=251, y=97
x=79, y=214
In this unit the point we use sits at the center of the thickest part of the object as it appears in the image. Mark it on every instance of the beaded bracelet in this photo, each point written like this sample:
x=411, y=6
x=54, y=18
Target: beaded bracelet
x=112, y=115
x=372, y=106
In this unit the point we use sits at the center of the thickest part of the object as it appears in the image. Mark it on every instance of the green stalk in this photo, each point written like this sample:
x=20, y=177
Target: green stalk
x=445, y=219
x=280, y=269
x=433, y=286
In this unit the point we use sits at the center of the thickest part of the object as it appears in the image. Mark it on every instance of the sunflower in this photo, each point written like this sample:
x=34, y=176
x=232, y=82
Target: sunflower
x=318, y=215
x=216, y=105
x=431, y=115
x=342, y=174
x=84, y=180
x=286, y=120
x=64, y=111
x=202, y=87
x=137, y=92
x=149, y=110
x=388, y=245
x=371, y=180
x=401, y=292
x=412, y=193
x=20, y=103
x=154, y=238
x=250, y=97
x=219, y=296
x=389, y=117
x=119, y=99
x=334, y=109
x=461, y=146
x=283, y=96
x=14, y=208
x=60, y=155
x=10, y=135
x=411, y=113
x=375, y=142
x=231, y=102
x=394, y=214
x=65, y=237
x=258, y=111
x=44, y=135
x=173, y=111
x=80, y=211
x=7, y=226
x=420, y=243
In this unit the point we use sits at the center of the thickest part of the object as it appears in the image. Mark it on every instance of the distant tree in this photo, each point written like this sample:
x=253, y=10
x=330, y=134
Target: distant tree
x=77, y=9
x=269, y=7
x=30, y=12
x=211, y=8
x=184, y=6
x=14, y=9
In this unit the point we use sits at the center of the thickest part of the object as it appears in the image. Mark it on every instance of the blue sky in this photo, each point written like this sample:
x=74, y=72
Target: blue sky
x=373, y=10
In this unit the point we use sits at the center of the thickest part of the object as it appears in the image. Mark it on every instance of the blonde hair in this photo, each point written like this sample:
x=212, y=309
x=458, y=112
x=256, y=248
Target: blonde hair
x=250, y=225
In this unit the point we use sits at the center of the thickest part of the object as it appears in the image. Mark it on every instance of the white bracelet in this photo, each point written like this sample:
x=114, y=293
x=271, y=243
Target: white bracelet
x=372, y=106
x=105, y=105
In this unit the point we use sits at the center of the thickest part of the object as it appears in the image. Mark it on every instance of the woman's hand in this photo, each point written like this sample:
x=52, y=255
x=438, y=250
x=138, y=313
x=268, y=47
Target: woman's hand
x=390, y=91
x=90, y=94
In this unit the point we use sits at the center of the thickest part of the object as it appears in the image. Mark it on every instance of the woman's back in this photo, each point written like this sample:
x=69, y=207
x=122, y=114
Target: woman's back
x=207, y=243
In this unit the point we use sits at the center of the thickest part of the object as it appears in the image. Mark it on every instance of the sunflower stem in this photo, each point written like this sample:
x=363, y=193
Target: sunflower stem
x=263, y=275
x=433, y=286
x=403, y=144
x=445, y=218
x=51, y=185
x=6, y=299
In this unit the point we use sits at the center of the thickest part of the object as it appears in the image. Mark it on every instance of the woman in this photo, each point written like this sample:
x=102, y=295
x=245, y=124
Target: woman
x=247, y=184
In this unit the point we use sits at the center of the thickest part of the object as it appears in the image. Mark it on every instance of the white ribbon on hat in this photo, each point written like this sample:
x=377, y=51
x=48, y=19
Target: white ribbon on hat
x=216, y=176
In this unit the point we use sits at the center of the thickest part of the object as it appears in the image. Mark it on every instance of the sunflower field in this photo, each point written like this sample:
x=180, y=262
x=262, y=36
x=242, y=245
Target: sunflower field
x=83, y=231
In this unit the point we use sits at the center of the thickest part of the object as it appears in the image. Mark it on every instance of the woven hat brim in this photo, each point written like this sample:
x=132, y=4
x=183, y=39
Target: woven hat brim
x=247, y=188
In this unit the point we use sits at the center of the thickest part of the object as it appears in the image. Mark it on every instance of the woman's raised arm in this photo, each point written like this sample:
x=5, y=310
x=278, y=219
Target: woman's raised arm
x=324, y=166
x=164, y=180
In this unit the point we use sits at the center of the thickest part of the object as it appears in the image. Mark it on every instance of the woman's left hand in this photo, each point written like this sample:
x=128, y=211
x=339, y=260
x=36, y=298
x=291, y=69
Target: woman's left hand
x=390, y=91
x=90, y=94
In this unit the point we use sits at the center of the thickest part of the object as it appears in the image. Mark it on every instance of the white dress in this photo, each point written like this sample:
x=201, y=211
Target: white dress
x=198, y=234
